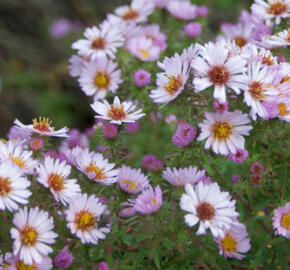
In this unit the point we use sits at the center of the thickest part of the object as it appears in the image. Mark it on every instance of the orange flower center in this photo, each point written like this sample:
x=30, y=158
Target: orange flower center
x=102, y=80
x=98, y=44
x=205, y=211
x=117, y=113
x=84, y=221
x=28, y=236
x=174, y=83
x=256, y=180
x=5, y=186
x=130, y=15
x=267, y=60
x=99, y=173
x=55, y=182
x=219, y=75
x=42, y=124
x=21, y=266
x=229, y=244
x=277, y=8
x=240, y=41
x=285, y=222
x=222, y=130
x=256, y=91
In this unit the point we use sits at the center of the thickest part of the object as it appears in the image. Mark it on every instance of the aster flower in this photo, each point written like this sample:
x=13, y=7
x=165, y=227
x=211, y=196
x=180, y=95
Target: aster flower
x=220, y=107
x=240, y=156
x=224, y=131
x=209, y=206
x=103, y=266
x=257, y=168
x=84, y=217
x=100, y=41
x=133, y=127
x=280, y=40
x=271, y=9
x=142, y=77
x=281, y=220
x=63, y=259
x=184, y=135
x=13, y=187
x=76, y=63
x=181, y=177
x=258, y=89
x=235, y=241
x=53, y=174
x=192, y=29
x=95, y=167
x=100, y=76
x=33, y=235
x=149, y=201
x=235, y=179
x=143, y=48
x=128, y=209
x=182, y=10
x=151, y=162
x=117, y=113
x=132, y=180
x=216, y=67
x=137, y=12
x=42, y=126
x=256, y=180
x=14, y=153
x=170, y=83
x=110, y=131
x=15, y=263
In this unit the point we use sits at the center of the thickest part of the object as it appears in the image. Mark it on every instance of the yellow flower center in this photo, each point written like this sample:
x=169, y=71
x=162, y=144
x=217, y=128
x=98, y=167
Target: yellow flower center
x=132, y=184
x=5, y=186
x=229, y=244
x=145, y=54
x=84, y=221
x=277, y=8
x=154, y=201
x=256, y=91
x=240, y=41
x=99, y=173
x=222, y=130
x=205, y=211
x=219, y=75
x=55, y=182
x=98, y=44
x=42, y=124
x=21, y=266
x=282, y=109
x=101, y=80
x=130, y=15
x=174, y=83
x=285, y=222
x=17, y=161
x=28, y=236
x=117, y=113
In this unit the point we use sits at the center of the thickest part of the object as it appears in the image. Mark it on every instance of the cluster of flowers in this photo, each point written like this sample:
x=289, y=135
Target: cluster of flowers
x=241, y=63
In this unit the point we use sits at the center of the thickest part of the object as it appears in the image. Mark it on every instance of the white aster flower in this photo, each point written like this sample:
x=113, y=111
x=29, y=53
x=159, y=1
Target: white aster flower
x=53, y=174
x=15, y=153
x=215, y=66
x=42, y=126
x=170, y=83
x=280, y=40
x=117, y=113
x=181, y=177
x=96, y=167
x=84, y=218
x=33, y=235
x=258, y=89
x=76, y=63
x=100, y=76
x=100, y=41
x=13, y=187
x=209, y=206
x=224, y=131
x=137, y=12
x=271, y=9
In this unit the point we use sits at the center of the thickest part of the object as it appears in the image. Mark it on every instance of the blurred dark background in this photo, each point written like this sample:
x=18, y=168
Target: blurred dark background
x=34, y=79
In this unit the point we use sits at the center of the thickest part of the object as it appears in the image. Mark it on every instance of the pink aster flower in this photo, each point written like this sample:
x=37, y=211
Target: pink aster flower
x=151, y=163
x=281, y=220
x=184, y=135
x=215, y=66
x=224, y=131
x=193, y=29
x=235, y=179
x=103, y=266
x=128, y=209
x=240, y=156
x=220, y=107
x=76, y=63
x=110, y=131
x=171, y=118
x=142, y=78
x=257, y=168
x=132, y=180
x=201, y=11
x=235, y=241
x=256, y=180
x=182, y=10
x=181, y=177
x=63, y=259
x=133, y=127
x=61, y=28
x=36, y=143
x=149, y=201
x=18, y=134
